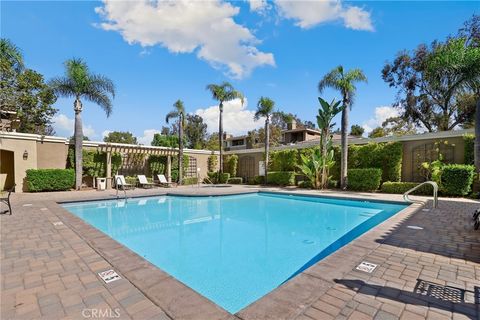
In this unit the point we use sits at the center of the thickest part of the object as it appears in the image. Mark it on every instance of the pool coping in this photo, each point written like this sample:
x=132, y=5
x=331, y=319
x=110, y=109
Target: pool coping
x=179, y=301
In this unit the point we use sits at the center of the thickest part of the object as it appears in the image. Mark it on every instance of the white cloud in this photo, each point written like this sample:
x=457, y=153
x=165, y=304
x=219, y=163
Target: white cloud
x=147, y=137
x=204, y=27
x=64, y=126
x=237, y=119
x=308, y=14
x=381, y=114
x=258, y=5
x=106, y=133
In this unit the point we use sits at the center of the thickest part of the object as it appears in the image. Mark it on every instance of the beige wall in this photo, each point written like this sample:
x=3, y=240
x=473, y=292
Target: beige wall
x=21, y=166
x=202, y=163
x=51, y=155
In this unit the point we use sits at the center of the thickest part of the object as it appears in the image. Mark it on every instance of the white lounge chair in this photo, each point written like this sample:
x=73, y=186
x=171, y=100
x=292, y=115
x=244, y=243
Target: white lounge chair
x=163, y=181
x=120, y=181
x=143, y=182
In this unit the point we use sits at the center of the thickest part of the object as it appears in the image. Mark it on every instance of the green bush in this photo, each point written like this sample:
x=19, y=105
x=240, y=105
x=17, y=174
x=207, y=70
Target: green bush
x=281, y=178
x=94, y=163
x=402, y=187
x=457, y=179
x=386, y=156
x=256, y=180
x=230, y=164
x=50, y=179
x=235, y=180
x=469, y=142
x=191, y=180
x=283, y=160
x=223, y=177
x=131, y=180
x=157, y=164
x=364, y=179
x=332, y=184
x=305, y=184
x=212, y=163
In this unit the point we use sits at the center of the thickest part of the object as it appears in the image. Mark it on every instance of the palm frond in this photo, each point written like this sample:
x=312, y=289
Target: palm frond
x=265, y=107
x=102, y=83
x=100, y=98
x=62, y=86
x=331, y=80
x=171, y=115
x=11, y=53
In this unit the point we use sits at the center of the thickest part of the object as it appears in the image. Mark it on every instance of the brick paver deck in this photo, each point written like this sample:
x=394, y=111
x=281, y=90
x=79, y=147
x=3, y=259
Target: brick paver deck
x=50, y=271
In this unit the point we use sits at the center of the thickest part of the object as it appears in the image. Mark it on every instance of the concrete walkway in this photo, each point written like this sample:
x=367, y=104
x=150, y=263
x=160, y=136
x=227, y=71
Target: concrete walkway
x=428, y=267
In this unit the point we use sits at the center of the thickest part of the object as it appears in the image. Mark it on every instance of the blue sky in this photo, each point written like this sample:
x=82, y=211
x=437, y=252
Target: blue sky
x=156, y=55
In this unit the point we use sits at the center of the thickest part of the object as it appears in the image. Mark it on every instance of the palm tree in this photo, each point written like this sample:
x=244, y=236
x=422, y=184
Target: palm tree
x=10, y=53
x=178, y=112
x=80, y=84
x=222, y=93
x=345, y=83
x=265, y=108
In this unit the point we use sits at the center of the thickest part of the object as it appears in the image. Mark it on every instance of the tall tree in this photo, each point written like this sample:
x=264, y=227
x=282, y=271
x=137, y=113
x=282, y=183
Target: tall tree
x=121, y=137
x=265, y=108
x=343, y=81
x=179, y=113
x=356, y=130
x=377, y=132
x=165, y=140
x=222, y=93
x=195, y=131
x=79, y=83
x=212, y=142
x=25, y=100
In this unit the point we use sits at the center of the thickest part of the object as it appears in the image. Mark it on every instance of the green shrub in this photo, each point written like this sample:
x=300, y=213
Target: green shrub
x=213, y=177
x=305, y=184
x=332, y=184
x=230, y=164
x=131, y=180
x=386, y=156
x=256, y=180
x=457, y=179
x=235, y=180
x=364, y=179
x=402, y=187
x=157, y=164
x=50, y=179
x=191, y=180
x=469, y=142
x=94, y=163
x=281, y=178
x=283, y=160
x=212, y=163
x=223, y=177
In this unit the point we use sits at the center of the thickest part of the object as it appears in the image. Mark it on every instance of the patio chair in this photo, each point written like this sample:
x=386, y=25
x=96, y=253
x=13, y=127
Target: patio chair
x=6, y=200
x=120, y=181
x=163, y=181
x=143, y=182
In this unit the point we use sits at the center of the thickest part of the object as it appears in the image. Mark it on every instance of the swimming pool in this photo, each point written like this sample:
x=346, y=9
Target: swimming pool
x=234, y=249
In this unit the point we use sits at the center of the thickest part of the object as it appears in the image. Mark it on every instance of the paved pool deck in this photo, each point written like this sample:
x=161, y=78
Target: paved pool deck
x=50, y=261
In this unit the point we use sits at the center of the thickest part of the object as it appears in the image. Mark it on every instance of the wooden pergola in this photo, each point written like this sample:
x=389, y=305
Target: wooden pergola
x=123, y=149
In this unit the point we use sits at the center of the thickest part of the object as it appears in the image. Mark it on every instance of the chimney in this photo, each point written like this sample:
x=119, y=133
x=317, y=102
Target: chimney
x=292, y=125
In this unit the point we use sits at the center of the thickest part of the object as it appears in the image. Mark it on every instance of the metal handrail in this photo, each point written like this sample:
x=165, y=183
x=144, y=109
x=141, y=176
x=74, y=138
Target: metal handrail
x=123, y=187
x=435, y=192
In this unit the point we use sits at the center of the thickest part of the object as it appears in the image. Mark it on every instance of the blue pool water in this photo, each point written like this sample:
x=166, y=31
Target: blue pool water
x=234, y=249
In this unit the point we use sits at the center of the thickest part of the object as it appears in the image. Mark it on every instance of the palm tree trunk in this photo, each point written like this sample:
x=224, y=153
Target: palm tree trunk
x=78, y=134
x=344, y=159
x=267, y=146
x=477, y=137
x=220, y=136
x=180, y=150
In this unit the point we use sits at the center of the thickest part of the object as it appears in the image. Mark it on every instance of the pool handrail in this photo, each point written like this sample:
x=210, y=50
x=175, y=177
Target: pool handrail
x=435, y=192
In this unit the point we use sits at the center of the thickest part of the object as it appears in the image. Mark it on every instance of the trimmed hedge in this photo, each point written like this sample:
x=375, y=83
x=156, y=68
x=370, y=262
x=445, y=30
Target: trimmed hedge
x=281, y=178
x=283, y=160
x=364, y=179
x=402, y=187
x=230, y=164
x=217, y=177
x=256, y=180
x=191, y=180
x=223, y=177
x=50, y=179
x=235, y=180
x=457, y=179
x=212, y=163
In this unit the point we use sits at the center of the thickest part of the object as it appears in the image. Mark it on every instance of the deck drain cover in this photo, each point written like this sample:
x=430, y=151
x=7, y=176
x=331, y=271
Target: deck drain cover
x=445, y=293
x=109, y=276
x=58, y=223
x=366, y=267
